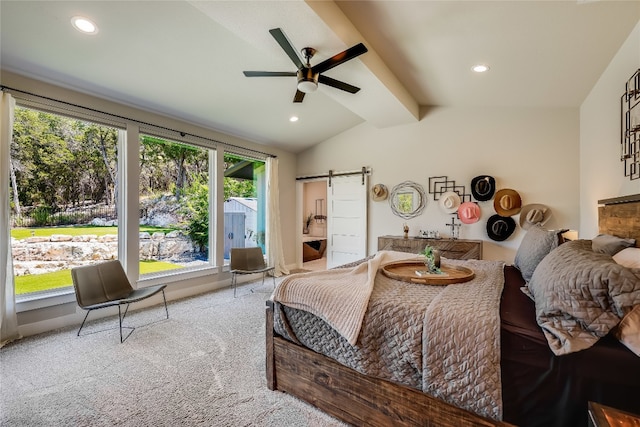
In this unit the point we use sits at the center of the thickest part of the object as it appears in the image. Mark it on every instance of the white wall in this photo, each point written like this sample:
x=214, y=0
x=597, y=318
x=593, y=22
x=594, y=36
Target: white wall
x=601, y=171
x=534, y=151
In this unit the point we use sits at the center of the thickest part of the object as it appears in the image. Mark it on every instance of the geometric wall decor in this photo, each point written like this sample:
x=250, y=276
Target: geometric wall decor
x=630, y=127
x=438, y=185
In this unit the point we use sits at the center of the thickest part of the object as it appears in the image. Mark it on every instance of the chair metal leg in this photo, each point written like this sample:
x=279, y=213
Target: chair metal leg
x=121, y=318
x=233, y=283
x=85, y=319
x=165, y=303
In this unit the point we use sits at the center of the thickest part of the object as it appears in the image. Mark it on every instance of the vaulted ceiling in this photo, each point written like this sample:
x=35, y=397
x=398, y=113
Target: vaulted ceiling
x=185, y=59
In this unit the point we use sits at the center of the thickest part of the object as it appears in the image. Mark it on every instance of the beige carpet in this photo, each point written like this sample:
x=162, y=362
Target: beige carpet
x=204, y=366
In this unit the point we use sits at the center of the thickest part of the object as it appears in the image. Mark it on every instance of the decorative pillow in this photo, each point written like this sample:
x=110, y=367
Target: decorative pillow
x=628, y=330
x=535, y=245
x=580, y=295
x=611, y=245
x=629, y=257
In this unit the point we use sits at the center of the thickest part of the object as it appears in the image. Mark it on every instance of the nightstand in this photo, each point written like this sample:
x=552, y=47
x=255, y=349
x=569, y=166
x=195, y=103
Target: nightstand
x=605, y=416
x=449, y=248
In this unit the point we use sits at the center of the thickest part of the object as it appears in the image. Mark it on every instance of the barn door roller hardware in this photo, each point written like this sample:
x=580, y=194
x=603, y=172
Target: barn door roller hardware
x=364, y=171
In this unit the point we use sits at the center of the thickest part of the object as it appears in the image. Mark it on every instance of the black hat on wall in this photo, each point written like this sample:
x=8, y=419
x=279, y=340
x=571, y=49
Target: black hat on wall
x=483, y=187
x=499, y=228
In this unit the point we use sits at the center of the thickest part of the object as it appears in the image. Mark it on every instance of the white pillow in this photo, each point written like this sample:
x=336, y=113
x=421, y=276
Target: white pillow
x=629, y=257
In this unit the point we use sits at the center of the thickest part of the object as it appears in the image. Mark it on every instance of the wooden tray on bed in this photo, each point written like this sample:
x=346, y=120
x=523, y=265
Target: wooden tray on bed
x=406, y=271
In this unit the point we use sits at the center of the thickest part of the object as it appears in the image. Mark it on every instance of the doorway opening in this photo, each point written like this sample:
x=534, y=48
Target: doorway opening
x=314, y=225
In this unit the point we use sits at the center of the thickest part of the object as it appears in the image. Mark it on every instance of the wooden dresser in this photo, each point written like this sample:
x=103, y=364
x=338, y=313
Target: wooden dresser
x=449, y=248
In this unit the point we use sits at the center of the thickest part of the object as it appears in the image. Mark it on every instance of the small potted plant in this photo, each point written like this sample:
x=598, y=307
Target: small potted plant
x=307, y=223
x=431, y=259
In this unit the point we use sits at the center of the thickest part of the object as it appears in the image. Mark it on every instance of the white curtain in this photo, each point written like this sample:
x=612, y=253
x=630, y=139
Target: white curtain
x=8, y=318
x=274, y=239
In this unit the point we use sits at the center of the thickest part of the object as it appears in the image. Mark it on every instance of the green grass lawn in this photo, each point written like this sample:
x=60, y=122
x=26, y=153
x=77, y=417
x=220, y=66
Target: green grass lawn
x=62, y=279
x=23, y=233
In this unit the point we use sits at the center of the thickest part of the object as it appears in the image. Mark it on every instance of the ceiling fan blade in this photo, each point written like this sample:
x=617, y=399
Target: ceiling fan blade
x=339, y=58
x=269, y=73
x=298, y=97
x=338, y=84
x=286, y=45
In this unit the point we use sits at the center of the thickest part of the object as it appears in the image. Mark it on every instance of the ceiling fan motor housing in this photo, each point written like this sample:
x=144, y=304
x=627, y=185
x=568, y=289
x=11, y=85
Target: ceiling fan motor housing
x=307, y=80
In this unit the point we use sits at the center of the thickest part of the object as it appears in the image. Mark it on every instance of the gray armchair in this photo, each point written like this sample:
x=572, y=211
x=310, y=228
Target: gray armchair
x=247, y=261
x=105, y=285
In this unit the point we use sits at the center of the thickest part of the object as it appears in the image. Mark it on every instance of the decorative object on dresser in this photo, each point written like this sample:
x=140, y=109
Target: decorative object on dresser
x=630, y=129
x=449, y=248
x=455, y=228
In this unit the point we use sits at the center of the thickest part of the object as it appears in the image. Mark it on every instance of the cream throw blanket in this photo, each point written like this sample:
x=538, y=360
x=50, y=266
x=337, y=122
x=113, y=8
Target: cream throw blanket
x=339, y=296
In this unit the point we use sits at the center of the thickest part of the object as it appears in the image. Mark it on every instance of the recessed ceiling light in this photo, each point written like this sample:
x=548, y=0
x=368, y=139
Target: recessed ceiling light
x=84, y=25
x=293, y=118
x=480, y=68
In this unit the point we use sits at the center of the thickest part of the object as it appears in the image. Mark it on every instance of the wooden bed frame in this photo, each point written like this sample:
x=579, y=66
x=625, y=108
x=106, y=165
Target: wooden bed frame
x=361, y=400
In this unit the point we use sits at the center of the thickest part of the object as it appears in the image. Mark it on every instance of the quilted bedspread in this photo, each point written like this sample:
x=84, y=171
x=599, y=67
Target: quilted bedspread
x=581, y=295
x=443, y=340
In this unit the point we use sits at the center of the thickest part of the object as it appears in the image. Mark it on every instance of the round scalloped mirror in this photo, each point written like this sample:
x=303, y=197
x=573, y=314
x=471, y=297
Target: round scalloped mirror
x=408, y=199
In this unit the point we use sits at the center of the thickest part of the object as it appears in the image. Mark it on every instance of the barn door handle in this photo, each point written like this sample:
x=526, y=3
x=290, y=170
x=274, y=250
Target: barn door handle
x=230, y=236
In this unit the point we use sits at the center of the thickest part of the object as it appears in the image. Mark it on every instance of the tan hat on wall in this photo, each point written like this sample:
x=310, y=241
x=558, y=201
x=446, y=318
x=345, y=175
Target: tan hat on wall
x=507, y=202
x=379, y=192
x=534, y=214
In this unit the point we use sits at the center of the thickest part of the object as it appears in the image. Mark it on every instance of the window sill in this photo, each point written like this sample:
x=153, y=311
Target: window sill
x=45, y=299
x=67, y=295
x=167, y=277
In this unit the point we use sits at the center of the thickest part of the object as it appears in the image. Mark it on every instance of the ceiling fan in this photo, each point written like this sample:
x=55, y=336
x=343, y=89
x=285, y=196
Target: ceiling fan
x=308, y=76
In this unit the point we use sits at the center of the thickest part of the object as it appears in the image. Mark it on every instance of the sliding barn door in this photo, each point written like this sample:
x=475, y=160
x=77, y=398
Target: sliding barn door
x=347, y=220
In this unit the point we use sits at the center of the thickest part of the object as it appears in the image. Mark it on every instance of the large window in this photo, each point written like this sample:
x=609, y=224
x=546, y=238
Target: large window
x=174, y=197
x=244, y=203
x=66, y=195
x=63, y=198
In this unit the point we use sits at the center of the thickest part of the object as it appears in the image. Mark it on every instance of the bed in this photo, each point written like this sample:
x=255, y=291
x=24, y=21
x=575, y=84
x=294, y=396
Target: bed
x=537, y=387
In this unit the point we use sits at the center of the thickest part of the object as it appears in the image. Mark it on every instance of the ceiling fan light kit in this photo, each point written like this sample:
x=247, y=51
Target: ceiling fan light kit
x=308, y=77
x=307, y=80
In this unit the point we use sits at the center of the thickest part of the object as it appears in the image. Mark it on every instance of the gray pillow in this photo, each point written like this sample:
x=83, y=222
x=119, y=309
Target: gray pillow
x=535, y=245
x=610, y=245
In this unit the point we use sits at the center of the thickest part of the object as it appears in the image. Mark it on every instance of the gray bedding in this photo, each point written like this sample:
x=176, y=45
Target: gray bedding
x=443, y=340
x=581, y=295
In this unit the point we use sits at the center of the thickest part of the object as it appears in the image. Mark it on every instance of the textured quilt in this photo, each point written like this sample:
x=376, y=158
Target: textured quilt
x=443, y=340
x=581, y=295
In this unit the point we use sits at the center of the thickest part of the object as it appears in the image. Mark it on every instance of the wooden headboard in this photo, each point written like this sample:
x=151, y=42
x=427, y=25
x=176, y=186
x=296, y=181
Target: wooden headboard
x=620, y=217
